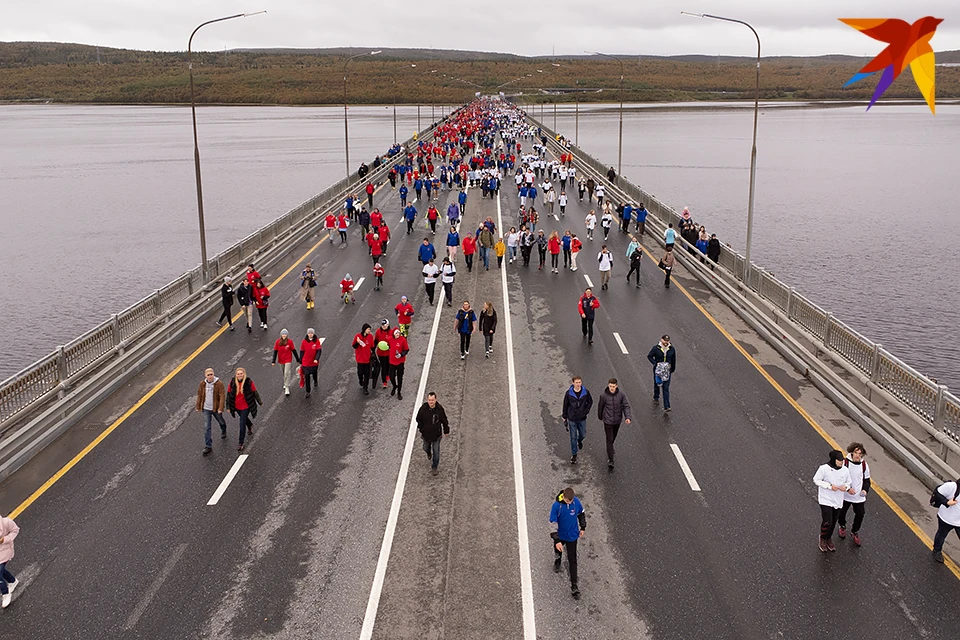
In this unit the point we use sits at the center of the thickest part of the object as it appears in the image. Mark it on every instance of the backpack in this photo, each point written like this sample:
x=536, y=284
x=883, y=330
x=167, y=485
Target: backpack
x=937, y=500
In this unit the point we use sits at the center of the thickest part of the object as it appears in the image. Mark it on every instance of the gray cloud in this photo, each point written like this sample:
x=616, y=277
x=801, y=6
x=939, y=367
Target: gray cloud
x=656, y=27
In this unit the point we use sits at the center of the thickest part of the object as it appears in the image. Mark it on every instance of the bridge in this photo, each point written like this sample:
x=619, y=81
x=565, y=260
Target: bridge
x=330, y=524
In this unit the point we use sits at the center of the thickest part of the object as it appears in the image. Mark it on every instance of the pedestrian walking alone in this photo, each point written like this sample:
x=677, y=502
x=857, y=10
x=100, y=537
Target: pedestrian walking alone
x=948, y=515
x=606, y=221
x=211, y=400
x=587, y=307
x=636, y=259
x=285, y=352
x=308, y=285
x=448, y=273
x=577, y=403
x=8, y=582
x=465, y=324
x=433, y=426
x=612, y=409
x=243, y=399
x=856, y=464
x=667, y=261
x=310, y=349
x=405, y=312
x=488, y=326
x=571, y=524
x=663, y=357
x=591, y=223
x=605, y=260
x=226, y=298
x=832, y=480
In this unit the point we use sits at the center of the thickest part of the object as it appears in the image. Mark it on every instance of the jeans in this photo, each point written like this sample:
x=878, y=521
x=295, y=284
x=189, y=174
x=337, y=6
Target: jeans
x=566, y=258
x=828, y=516
x=943, y=530
x=208, y=415
x=571, y=546
x=244, y=421
x=513, y=252
x=485, y=256
x=858, y=511
x=5, y=578
x=587, y=326
x=464, y=343
x=611, y=431
x=433, y=450
x=488, y=342
x=666, y=391
x=578, y=431
x=468, y=258
x=448, y=291
x=308, y=373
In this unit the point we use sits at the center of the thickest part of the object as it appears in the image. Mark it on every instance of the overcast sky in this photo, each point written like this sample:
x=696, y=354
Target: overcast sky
x=525, y=27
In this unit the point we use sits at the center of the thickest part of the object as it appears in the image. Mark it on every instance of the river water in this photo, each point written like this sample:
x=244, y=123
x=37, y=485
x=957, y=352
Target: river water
x=854, y=209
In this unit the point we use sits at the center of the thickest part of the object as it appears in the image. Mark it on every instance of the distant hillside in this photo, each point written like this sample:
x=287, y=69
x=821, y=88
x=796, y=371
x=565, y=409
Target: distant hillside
x=48, y=71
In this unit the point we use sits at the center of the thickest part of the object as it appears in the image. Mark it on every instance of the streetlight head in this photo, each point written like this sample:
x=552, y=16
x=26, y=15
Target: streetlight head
x=255, y=13
x=692, y=15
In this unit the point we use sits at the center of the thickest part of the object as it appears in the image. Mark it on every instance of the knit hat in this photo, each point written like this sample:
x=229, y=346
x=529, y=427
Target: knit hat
x=284, y=332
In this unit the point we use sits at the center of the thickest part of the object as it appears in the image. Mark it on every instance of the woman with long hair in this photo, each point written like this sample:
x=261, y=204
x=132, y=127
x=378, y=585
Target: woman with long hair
x=488, y=326
x=243, y=398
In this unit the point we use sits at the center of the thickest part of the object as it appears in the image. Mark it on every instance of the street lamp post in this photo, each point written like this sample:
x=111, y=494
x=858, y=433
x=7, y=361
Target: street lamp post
x=196, y=145
x=346, y=128
x=753, y=150
x=620, y=145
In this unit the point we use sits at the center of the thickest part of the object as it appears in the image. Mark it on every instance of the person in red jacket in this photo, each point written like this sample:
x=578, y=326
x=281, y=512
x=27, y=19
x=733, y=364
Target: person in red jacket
x=384, y=335
x=330, y=225
x=587, y=306
x=378, y=272
x=310, y=348
x=376, y=248
x=363, y=346
x=469, y=248
x=404, y=312
x=285, y=352
x=243, y=398
x=261, y=297
x=575, y=246
x=346, y=287
x=398, y=356
x=342, y=224
x=553, y=246
x=252, y=275
x=376, y=219
x=384, y=234
x=370, y=191
x=432, y=216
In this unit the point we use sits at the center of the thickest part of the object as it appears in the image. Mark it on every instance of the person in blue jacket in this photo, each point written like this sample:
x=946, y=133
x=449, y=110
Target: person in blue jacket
x=532, y=194
x=426, y=252
x=418, y=187
x=453, y=241
x=403, y=195
x=462, y=200
x=567, y=513
x=640, y=213
x=625, y=223
x=577, y=403
x=410, y=214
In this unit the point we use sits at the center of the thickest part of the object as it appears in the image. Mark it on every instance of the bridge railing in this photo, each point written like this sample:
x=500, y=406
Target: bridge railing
x=930, y=402
x=54, y=375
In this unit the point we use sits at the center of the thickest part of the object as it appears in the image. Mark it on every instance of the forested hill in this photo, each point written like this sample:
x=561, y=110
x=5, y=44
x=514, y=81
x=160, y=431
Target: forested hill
x=80, y=73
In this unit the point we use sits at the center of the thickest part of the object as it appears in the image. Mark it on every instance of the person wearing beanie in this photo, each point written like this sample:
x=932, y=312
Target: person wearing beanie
x=363, y=346
x=383, y=335
x=571, y=523
x=226, y=297
x=833, y=480
x=856, y=464
x=310, y=348
x=285, y=352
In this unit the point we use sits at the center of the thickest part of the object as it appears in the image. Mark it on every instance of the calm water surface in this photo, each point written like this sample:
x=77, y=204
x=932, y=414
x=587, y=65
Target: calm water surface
x=854, y=209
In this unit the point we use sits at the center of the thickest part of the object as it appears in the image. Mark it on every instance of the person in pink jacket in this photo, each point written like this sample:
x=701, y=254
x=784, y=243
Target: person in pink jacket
x=8, y=533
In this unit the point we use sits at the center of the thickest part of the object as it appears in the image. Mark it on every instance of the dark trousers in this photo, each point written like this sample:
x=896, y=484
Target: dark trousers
x=499, y=262
x=370, y=201
x=525, y=252
x=5, y=578
x=208, y=418
x=226, y=315
x=308, y=373
x=571, y=546
x=464, y=343
x=858, y=511
x=587, y=326
x=468, y=258
x=666, y=277
x=828, y=518
x=363, y=374
x=943, y=530
x=384, y=368
x=488, y=342
x=555, y=260
x=433, y=226
x=448, y=291
x=433, y=450
x=262, y=312
x=665, y=384
x=566, y=258
x=630, y=273
x=409, y=226
x=396, y=376
x=611, y=431
x=431, y=287
x=244, y=423
x=625, y=225
x=641, y=227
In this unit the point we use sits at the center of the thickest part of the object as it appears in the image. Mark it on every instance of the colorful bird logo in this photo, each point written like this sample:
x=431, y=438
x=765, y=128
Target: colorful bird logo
x=908, y=44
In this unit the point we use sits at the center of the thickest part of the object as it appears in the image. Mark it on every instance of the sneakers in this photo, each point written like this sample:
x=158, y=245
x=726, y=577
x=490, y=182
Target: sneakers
x=6, y=600
x=856, y=539
x=823, y=544
x=937, y=556
x=575, y=591
x=580, y=444
x=13, y=585
x=842, y=532
x=462, y=356
x=286, y=391
x=557, y=565
x=830, y=546
x=429, y=455
x=240, y=448
x=573, y=460
x=434, y=470
x=610, y=463
x=223, y=434
x=206, y=451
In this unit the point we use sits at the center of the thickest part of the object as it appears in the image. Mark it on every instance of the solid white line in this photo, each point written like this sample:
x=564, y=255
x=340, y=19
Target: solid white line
x=215, y=498
x=526, y=577
x=359, y=282
x=685, y=468
x=151, y=593
x=589, y=281
x=623, y=347
x=373, y=602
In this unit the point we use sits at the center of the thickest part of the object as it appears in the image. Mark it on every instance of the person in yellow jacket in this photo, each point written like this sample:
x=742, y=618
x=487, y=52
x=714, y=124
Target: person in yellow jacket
x=501, y=249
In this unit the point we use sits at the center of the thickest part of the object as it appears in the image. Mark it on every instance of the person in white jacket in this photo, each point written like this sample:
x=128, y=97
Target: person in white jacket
x=833, y=480
x=856, y=464
x=948, y=516
x=8, y=533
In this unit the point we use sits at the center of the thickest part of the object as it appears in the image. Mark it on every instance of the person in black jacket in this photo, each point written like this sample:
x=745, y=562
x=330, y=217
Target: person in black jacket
x=636, y=259
x=577, y=403
x=245, y=299
x=488, y=326
x=612, y=409
x=433, y=426
x=226, y=297
x=243, y=398
x=663, y=357
x=713, y=250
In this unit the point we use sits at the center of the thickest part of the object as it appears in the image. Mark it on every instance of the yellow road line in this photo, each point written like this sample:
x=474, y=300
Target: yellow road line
x=911, y=524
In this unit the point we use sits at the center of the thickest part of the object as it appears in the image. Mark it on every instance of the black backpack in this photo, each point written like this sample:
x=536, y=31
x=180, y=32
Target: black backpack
x=937, y=500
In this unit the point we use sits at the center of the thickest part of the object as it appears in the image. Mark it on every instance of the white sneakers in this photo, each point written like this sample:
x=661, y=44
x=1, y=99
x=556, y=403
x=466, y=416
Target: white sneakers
x=286, y=391
x=6, y=601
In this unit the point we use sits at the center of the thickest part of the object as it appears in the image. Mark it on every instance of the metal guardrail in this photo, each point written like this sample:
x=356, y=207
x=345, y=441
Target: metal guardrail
x=931, y=402
x=52, y=376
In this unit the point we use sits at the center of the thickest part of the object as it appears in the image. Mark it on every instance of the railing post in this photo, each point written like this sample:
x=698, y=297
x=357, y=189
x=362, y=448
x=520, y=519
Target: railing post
x=117, y=336
x=938, y=418
x=827, y=331
x=157, y=304
x=62, y=371
x=790, y=299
